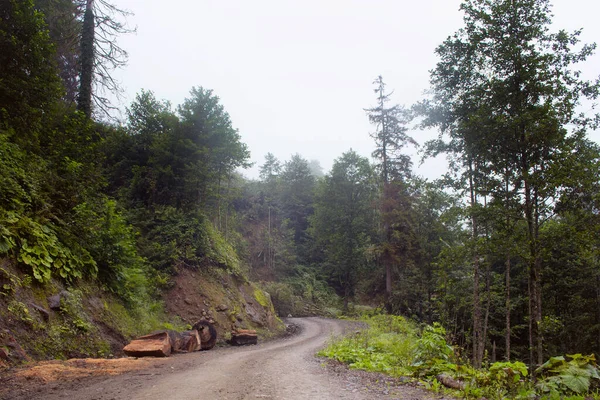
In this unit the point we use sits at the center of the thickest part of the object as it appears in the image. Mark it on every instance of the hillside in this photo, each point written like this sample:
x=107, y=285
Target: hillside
x=113, y=228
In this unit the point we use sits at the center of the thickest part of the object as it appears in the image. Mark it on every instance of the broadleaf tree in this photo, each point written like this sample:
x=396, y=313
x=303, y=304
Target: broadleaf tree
x=505, y=90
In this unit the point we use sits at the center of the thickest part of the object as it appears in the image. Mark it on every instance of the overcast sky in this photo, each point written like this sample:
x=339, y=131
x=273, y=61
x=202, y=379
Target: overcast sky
x=296, y=75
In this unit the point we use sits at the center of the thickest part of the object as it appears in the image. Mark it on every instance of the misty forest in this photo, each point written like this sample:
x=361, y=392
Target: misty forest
x=494, y=267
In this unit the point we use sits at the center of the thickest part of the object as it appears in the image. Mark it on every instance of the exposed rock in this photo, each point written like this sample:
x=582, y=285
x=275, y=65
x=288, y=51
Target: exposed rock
x=255, y=313
x=11, y=350
x=153, y=345
x=243, y=337
x=187, y=301
x=54, y=302
x=222, y=308
x=43, y=312
x=291, y=329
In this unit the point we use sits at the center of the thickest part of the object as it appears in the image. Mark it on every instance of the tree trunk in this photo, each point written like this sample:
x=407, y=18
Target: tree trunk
x=477, y=317
x=534, y=266
x=598, y=306
x=507, y=267
x=488, y=293
x=477, y=331
x=86, y=73
x=508, y=328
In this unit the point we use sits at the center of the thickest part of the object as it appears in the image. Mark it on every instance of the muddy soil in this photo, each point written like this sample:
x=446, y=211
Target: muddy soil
x=281, y=369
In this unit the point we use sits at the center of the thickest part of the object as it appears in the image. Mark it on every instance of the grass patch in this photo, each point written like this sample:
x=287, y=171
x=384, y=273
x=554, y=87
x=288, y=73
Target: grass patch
x=387, y=345
x=395, y=346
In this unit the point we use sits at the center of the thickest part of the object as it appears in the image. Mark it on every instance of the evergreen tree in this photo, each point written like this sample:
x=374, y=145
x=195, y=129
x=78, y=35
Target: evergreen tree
x=29, y=87
x=390, y=139
x=344, y=221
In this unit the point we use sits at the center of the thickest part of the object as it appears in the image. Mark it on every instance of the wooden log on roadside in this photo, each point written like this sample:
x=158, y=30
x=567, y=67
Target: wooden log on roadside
x=154, y=345
x=208, y=334
x=190, y=341
x=450, y=382
x=243, y=337
x=175, y=338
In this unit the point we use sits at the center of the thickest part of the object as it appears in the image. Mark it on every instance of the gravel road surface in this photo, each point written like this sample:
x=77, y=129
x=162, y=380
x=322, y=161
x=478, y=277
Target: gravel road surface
x=280, y=369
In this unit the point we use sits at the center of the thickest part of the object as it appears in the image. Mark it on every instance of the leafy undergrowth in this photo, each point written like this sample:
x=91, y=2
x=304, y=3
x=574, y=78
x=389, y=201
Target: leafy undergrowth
x=387, y=346
x=394, y=345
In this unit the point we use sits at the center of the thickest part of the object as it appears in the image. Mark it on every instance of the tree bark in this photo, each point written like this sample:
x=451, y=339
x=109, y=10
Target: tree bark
x=508, y=306
x=477, y=317
x=86, y=73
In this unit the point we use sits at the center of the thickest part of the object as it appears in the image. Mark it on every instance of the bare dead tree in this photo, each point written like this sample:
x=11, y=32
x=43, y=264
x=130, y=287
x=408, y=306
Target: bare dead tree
x=100, y=55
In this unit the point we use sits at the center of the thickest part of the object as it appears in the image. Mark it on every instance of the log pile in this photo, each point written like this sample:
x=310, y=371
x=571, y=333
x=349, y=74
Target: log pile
x=242, y=337
x=163, y=343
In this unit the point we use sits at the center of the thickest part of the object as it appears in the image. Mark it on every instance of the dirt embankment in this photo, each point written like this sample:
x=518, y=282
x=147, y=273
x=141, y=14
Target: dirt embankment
x=56, y=321
x=279, y=369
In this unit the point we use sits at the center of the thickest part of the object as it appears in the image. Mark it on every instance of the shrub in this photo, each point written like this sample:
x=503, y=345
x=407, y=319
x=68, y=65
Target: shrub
x=387, y=346
x=574, y=374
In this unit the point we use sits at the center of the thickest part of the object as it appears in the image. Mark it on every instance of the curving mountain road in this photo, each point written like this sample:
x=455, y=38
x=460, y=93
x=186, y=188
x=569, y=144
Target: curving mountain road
x=282, y=369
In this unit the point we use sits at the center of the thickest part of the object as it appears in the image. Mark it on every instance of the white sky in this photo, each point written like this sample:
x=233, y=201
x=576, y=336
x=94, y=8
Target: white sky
x=296, y=75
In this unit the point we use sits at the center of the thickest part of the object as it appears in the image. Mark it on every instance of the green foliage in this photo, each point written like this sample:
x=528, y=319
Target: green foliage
x=303, y=294
x=387, y=346
x=284, y=300
x=30, y=86
x=111, y=241
x=343, y=221
x=172, y=239
x=508, y=372
x=41, y=250
x=572, y=375
x=507, y=377
x=19, y=180
x=433, y=355
x=20, y=311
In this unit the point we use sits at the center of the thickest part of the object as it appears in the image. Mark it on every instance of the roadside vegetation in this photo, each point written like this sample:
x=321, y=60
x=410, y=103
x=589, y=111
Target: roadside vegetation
x=404, y=349
x=503, y=251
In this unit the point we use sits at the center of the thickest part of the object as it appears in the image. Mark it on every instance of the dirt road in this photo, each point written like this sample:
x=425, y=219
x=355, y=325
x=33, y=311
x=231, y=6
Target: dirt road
x=281, y=369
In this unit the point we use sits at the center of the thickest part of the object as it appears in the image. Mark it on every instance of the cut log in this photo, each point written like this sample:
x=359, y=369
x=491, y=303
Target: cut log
x=153, y=345
x=243, y=337
x=190, y=341
x=208, y=334
x=175, y=338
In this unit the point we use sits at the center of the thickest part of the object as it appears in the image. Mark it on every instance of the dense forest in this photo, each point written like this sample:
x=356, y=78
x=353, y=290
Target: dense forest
x=503, y=250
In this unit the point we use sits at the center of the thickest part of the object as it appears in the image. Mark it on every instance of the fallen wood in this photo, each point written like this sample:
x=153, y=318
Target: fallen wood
x=153, y=345
x=450, y=382
x=175, y=338
x=208, y=334
x=243, y=337
x=190, y=341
